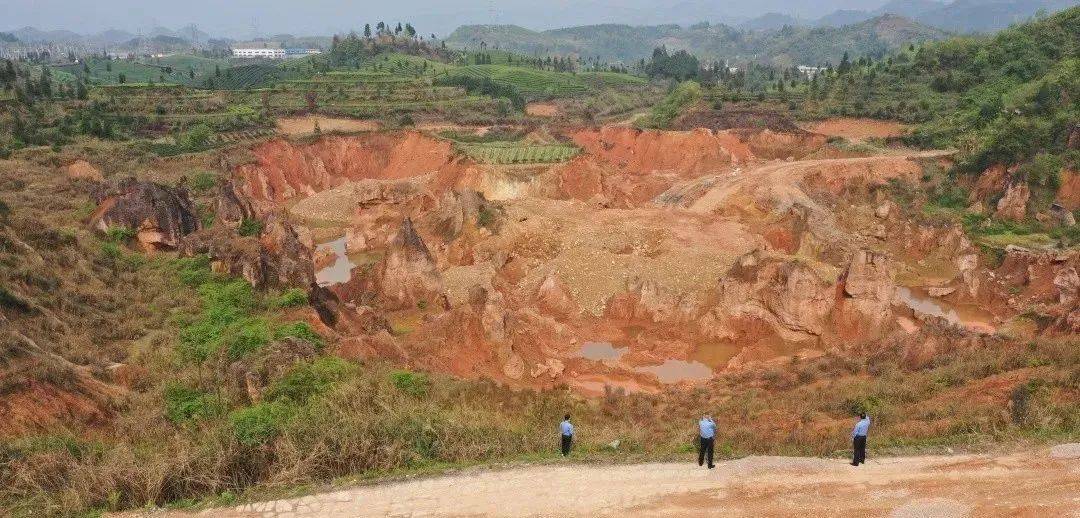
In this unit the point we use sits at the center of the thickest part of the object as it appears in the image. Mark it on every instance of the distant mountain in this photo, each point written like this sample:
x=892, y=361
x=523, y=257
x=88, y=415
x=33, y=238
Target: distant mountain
x=8, y=38
x=32, y=35
x=843, y=17
x=958, y=16
x=989, y=15
x=908, y=8
x=771, y=22
x=786, y=46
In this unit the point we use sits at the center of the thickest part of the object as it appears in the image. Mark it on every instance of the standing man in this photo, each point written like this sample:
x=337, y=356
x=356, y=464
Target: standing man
x=858, y=440
x=567, y=431
x=706, y=436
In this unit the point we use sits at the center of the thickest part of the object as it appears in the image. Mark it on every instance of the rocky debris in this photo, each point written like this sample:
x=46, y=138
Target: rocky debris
x=514, y=368
x=554, y=298
x=160, y=215
x=940, y=291
x=83, y=170
x=552, y=367
x=1013, y=205
x=407, y=275
x=869, y=277
x=884, y=210
x=1061, y=215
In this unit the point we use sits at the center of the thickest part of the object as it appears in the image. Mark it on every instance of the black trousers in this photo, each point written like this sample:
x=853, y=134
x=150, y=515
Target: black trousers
x=567, y=440
x=859, y=445
x=705, y=449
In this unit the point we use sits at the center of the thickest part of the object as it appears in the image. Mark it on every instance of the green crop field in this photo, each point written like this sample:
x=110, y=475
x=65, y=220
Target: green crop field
x=518, y=153
x=169, y=69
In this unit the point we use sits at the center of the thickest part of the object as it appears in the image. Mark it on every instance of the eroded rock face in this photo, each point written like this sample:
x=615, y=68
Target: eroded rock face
x=1013, y=205
x=160, y=215
x=277, y=257
x=407, y=275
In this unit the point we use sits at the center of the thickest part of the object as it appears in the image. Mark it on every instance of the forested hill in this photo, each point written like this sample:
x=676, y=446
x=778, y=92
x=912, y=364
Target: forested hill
x=784, y=47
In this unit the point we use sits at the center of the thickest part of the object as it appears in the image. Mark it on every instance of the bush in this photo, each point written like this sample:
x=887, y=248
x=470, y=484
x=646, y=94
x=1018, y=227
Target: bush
x=194, y=271
x=299, y=330
x=309, y=379
x=260, y=423
x=203, y=181
x=670, y=107
x=250, y=227
x=120, y=234
x=291, y=298
x=412, y=383
x=183, y=404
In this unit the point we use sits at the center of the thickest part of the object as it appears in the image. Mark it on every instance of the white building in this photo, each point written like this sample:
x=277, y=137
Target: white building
x=259, y=53
x=273, y=53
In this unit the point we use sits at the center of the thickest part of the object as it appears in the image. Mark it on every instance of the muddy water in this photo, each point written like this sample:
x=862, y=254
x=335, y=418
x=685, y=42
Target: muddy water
x=717, y=355
x=674, y=371
x=338, y=272
x=968, y=316
x=600, y=351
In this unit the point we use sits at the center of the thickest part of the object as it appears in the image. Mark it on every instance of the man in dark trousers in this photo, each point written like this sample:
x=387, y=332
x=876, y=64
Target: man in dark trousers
x=706, y=437
x=858, y=440
x=567, y=431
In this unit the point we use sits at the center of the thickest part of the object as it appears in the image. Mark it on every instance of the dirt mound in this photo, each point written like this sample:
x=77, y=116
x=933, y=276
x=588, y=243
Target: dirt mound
x=543, y=109
x=284, y=170
x=681, y=152
x=858, y=129
x=306, y=125
x=81, y=169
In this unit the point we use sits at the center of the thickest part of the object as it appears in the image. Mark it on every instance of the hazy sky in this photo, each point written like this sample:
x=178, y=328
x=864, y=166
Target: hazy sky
x=236, y=17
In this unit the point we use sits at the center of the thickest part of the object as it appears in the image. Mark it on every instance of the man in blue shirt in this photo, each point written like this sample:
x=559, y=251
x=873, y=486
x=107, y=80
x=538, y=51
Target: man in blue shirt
x=706, y=437
x=567, y=431
x=858, y=439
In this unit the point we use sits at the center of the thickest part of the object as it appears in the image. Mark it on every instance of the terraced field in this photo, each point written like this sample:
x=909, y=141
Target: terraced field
x=518, y=153
x=536, y=83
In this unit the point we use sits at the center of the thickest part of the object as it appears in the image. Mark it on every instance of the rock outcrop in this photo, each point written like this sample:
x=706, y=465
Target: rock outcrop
x=407, y=275
x=277, y=257
x=160, y=215
x=1013, y=205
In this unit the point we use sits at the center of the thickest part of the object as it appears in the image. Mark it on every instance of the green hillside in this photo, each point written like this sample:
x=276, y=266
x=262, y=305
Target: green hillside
x=784, y=47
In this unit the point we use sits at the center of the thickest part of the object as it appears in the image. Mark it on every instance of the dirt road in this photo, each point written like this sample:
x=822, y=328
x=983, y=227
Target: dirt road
x=1036, y=483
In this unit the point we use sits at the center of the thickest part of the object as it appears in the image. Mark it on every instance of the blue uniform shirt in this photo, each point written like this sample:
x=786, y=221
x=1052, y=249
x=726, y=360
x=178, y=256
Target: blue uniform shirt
x=861, y=427
x=707, y=428
x=566, y=428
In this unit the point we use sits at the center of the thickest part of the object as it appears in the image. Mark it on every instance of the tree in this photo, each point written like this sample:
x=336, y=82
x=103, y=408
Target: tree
x=845, y=64
x=311, y=98
x=410, y=31
x=397, y=30
x=80, y=90
x=121, y=78
x=367, y=30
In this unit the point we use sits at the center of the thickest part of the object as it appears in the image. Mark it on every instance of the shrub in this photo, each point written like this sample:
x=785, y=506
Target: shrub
x=5, y=210
x=412, y=383
x=291, y=298
x=245, y=336
x=260, y=423
x=183, y=404
x=203, y=181
x=10, y=300
x=120, y=234
x=250, y=227
x=194, y=271
x=197, y=138
x=309, y=379
x=299, y=330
